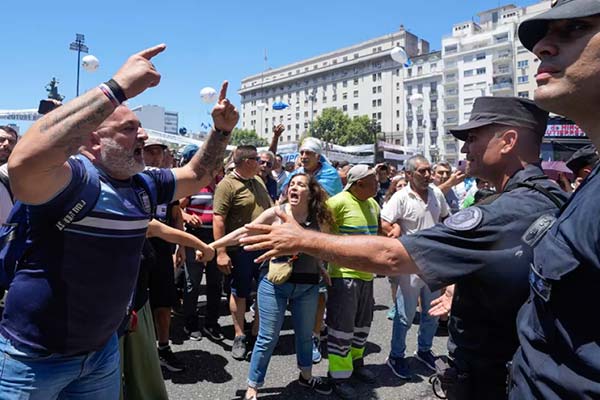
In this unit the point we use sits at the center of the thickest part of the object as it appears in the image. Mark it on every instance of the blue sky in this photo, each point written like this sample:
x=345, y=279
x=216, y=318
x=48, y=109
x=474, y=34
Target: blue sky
x=207, y=42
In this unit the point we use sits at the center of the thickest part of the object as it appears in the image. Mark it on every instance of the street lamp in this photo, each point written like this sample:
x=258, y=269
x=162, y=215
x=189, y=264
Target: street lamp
x=416, y=100
x=398, y=55
x=79, y=46
x=261, y=106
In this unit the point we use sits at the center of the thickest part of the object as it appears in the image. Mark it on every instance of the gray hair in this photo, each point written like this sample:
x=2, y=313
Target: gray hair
x=270, y=153
x=411, y=163
x=444, y=164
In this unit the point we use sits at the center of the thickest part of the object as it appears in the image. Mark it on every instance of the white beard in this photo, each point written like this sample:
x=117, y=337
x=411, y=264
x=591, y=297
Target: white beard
x=115, y=158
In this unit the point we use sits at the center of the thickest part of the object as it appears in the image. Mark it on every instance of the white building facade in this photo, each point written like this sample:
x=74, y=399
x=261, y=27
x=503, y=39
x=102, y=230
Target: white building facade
x=479, y=58
x=359, y=80
x=157, y=118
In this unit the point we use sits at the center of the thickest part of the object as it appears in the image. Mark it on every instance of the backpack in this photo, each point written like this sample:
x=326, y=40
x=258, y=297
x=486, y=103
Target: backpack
x=15, y=241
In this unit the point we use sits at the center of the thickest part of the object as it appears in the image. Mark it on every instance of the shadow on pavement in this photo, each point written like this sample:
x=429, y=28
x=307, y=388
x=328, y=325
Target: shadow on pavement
x=201, y=366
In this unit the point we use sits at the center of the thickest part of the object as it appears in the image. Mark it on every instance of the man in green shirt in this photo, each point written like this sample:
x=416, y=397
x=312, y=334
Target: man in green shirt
x=350, y=300
x=239, y=199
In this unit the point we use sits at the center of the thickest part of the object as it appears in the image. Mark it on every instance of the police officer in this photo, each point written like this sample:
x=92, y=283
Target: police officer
x=559, y=357
x=479, y=249
x=582, y=162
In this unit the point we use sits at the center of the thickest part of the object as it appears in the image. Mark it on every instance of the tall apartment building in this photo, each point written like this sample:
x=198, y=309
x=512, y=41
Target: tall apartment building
x=360, y=80
x=423, y=84
x=485, y=58
x=157, y=118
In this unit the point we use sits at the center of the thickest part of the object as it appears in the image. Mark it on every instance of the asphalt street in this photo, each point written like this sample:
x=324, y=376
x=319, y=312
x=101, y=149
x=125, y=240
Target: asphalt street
x=212, y=374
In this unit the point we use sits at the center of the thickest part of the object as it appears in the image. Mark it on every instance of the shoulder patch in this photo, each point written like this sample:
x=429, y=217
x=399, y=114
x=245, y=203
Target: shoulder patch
x=465, y=220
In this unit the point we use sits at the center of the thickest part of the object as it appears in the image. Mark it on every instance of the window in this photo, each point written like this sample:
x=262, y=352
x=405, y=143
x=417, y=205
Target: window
x=524, y=95
x=356, y=82
x=344, y=107
x=374, y=116
x=419, y=70
x=378, y=102
x=397, y=129
x=420, y=88
x=355, y=55
x=481, y=71
x=378, y=115
x=345, y=84
x=397, y=99
x=374, y=103
x=523, y=64
x=409, y=90
x=453, y=48
x=379, y=89
x=374, y=89
x=433, y=67
x=355, y=106
x=468, y=58
x=468, y=72
x=355, y=94
x=433, y=87
x=305, y=114
x=523, y=79
x=397, y=113
x=503, y=37
x=344, y=96
x=334, y=97
x=480, y=56
x=374, y=77
x=409, y=72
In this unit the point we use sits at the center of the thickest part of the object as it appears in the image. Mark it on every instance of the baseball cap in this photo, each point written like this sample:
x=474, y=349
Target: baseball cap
x=153, y=142
x=532, y=30
x=357, y=173
x=584, y=156
x=188, y=152
x=510, y=111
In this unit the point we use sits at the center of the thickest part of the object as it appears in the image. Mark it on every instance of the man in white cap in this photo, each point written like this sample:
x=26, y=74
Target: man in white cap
x=313, y=163
x=350, y=300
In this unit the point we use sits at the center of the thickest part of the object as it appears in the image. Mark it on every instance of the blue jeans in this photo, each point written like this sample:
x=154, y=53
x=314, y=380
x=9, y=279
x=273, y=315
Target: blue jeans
x=406, y=306
x=272, y=302
x=28, y=375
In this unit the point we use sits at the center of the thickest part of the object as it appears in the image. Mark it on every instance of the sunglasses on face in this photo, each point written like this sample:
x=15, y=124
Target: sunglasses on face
x=265, y=162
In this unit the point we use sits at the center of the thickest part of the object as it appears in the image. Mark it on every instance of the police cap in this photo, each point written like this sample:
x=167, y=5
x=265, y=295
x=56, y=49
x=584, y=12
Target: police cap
x=509, y=111
x=583, y=157
x=532, y=30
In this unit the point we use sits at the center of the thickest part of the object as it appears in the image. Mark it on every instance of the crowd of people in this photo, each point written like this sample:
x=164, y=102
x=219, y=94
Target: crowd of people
x=116, y=234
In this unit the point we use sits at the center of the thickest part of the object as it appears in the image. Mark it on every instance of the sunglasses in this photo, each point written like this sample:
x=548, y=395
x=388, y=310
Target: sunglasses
x=263, y=162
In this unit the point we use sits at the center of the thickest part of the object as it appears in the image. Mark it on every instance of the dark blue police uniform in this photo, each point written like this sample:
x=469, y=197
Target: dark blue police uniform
x=480, y=250
x=558, y=328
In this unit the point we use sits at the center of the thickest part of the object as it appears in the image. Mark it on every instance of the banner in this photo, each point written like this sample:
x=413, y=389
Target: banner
x=564, y=130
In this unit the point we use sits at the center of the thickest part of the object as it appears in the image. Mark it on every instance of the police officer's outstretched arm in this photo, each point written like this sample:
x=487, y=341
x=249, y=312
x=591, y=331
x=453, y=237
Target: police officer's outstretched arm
x=205, y=164
x=37, y=166
x=375, y=254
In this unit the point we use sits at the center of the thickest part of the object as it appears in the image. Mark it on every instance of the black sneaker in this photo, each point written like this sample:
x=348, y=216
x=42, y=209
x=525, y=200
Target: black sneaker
x=427, y=358
x=344, y=389
x=316, y=383
x=169, y=360
x=238, y=349
x=364, y=375
x=194, y=334
x=213, y=332
x=399, y=366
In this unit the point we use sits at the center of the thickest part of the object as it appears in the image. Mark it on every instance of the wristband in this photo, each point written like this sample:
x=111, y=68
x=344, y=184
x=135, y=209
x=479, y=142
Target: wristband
x=117, y=90
x=224, y=133
x=108, y=93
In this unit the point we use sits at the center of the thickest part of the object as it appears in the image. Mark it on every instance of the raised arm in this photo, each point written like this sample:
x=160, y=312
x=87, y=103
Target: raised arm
x=365, y=253
x=277, y=131
x=37, y=165
x=205, y=164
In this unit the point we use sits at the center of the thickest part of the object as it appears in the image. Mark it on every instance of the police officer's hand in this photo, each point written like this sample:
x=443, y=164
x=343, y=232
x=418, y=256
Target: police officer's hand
x=223, y=262
x=138, y=73
x=224, y=114
x=279, y=240
x=443, y=304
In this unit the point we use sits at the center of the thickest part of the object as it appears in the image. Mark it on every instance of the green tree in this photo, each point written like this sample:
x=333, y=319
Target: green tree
x=336, y=127
x=246, y=137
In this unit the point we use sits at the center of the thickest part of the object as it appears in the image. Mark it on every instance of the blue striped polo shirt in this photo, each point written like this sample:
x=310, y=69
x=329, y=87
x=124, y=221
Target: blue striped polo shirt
x=75, y=289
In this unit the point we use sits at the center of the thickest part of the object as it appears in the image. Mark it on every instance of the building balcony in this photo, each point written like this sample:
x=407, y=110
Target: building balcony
x=451, y=66
x=433, y=95
x=451, y=93
x=502, y=57
x=501, y=87
x=502, y=72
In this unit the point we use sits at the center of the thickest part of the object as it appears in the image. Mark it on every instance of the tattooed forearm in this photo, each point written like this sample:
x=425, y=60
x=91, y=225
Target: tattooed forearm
x=70, y=125
x=207, y=162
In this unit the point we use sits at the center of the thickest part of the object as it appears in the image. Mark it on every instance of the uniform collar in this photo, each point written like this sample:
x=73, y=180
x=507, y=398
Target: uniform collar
x=522, y=175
